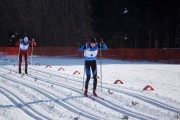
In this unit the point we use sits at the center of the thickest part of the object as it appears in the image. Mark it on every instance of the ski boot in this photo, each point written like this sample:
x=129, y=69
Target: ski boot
x=26, y=71
x=19, y=71
x=94, y=93
x=85, y=93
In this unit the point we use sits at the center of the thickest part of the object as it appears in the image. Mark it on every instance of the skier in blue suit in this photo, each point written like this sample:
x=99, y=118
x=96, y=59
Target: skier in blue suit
x=90, y=53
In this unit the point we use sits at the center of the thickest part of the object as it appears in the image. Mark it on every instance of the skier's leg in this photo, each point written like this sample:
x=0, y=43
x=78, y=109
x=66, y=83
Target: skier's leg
x=88, y=74
x=20, y=61
x=26, y=62
x=94, y=71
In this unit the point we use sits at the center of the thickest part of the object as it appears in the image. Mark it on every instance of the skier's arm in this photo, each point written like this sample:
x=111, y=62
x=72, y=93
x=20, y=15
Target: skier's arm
x=17, y=43
x=102, y=46
x=33, y=43
x=82, y=48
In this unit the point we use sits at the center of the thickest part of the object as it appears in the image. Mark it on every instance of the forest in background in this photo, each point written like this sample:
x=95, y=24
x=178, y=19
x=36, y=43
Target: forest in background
x=121, y=23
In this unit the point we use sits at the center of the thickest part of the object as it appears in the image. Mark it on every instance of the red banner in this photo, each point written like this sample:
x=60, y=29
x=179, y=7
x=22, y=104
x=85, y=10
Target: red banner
x=155, y=55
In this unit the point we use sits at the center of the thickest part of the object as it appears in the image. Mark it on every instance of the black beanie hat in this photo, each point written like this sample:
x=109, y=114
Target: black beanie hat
x=93, y=40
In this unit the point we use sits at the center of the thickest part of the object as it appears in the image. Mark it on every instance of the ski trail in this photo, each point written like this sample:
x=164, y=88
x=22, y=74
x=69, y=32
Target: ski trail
x=143, y=98
x=130, y=94
x=140, y=97
x=146, y=99
x=64, y=77
x=105, y=103
x=55, y=98
x=21, y=105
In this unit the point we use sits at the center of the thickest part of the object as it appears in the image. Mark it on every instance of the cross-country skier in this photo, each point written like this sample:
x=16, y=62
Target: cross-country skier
x=90, y=53
x=23, y=51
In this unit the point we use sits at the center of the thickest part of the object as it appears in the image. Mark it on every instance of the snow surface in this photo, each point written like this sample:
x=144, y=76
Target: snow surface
x=50, y=93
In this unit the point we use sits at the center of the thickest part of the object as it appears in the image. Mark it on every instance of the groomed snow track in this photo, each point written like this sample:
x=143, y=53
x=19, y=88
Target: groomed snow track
x=70, y=97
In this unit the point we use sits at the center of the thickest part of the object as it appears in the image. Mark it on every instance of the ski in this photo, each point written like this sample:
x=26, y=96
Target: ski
x=90, y=97
x=94, y=97
x=98, y=97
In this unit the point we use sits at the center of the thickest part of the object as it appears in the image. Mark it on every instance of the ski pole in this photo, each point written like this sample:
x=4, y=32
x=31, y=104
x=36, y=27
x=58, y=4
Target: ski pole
x=83, y=76
x=19, y=51
x=32, y=50
x=84, y=71
x=101, y=65
x=18, y=56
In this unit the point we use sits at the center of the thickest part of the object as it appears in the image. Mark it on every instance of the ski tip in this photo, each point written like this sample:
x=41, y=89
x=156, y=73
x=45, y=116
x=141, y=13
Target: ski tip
x=100, y=98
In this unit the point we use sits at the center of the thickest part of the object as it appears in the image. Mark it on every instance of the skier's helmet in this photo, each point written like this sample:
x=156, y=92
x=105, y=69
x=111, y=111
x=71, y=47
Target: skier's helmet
x=25, y=39
x=93, y=40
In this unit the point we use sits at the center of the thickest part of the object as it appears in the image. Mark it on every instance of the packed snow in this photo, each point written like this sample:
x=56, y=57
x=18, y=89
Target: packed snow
x=52, y=91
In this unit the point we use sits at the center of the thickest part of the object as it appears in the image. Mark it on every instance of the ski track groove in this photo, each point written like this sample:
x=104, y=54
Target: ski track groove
x=22, y=104
x=56, y=100
x=140, y=97
x=105, y=103
x=41, y=79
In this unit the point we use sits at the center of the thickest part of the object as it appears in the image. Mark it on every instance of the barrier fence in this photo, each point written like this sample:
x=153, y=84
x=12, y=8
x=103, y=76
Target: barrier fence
x=154, y=55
